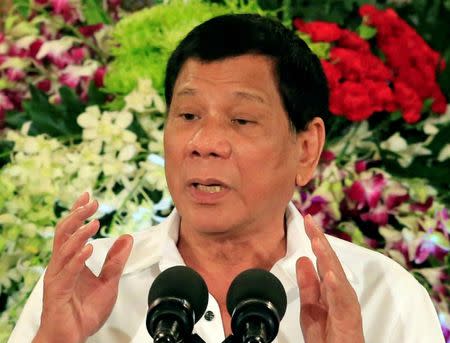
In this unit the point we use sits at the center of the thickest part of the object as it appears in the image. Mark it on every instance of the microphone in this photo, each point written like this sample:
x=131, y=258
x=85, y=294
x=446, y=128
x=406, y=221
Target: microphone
x=177, y=299
x=256, y=301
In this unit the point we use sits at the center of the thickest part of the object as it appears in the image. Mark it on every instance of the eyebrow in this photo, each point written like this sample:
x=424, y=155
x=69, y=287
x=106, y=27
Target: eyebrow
x=237, y=94
x=249, y=96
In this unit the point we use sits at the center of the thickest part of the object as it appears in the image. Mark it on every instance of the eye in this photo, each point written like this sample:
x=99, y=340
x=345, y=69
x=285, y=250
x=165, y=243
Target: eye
x=241, y=122
x=189, y=116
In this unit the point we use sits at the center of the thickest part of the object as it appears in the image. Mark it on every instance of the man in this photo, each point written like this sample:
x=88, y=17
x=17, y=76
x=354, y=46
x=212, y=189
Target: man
x=244, y=128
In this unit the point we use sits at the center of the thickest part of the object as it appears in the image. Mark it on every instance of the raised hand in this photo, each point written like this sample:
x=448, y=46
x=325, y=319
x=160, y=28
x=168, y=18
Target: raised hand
x=76, y=302
x=330, y=311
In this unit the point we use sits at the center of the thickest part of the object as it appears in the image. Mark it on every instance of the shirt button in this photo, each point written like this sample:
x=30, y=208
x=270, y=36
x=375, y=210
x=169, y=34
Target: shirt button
x=209, y=315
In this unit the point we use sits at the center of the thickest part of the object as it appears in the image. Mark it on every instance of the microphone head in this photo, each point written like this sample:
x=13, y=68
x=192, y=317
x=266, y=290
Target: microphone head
x=257, y=284
x=184, y=283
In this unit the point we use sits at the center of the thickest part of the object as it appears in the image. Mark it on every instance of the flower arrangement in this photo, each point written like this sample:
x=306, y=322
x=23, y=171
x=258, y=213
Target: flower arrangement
x=358, y=201
x=81, y=114
x=60, y=43
x=361, y=83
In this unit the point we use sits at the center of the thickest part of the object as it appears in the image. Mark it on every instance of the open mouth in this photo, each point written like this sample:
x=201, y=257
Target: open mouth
x=214, y=188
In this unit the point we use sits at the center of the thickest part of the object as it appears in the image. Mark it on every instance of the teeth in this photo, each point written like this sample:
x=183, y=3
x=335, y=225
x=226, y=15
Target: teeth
x=209, y=189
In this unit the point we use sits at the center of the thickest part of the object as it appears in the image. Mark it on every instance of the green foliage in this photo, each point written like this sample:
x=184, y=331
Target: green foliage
x=94, y=13
x=366, y=32
x=342, y=12
x=56, y=120
x=149, y=36
x=22, y=7
x=144, y=40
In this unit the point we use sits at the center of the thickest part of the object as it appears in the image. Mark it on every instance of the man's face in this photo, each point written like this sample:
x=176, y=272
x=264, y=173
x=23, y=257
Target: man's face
x=231, y=156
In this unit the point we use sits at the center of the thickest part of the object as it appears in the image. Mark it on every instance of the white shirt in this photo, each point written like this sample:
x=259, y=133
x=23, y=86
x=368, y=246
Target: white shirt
x=395, y=307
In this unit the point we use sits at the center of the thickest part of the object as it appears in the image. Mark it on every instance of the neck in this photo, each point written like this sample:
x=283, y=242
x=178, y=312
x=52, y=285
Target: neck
x=220, y=257
x=235, y=250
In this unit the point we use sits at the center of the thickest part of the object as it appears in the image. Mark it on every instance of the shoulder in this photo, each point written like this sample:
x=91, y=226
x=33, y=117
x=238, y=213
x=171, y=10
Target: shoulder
x=369, y=267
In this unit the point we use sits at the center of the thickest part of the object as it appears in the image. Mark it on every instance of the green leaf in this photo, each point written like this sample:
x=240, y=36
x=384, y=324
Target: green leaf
x=16, y=119
x=95, y=95
x=366, y=32
x=5, y=151
x=5, y=83
x=23, y=7
x=427, y=105
x=440, y=140
x=71, y=107
x=94, y=12
x=10, y=21
x=54, y=120
x=447, y=4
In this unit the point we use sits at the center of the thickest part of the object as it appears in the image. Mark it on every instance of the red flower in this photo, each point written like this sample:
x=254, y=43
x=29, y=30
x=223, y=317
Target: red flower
x=382, y=95
x=409, y=102
x=351, y=40
x=413, y=62
x=352, y=100
x=356, y=66
x=332, y=73
x=440, y=103
x=319, y=31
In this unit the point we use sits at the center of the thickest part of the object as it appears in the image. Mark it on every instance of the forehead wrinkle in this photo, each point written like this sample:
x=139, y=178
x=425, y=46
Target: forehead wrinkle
x=249, y=96
x=244, y=95
x=186, y=91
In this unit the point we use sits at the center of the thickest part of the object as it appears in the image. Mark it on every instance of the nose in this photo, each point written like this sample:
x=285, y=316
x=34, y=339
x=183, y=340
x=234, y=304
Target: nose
x=210, y=140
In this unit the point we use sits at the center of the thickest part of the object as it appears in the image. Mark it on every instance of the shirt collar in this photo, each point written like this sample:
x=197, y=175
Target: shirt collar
x=167, y=255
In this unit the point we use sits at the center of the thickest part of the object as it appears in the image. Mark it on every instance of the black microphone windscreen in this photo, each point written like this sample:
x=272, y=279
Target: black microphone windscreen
x=184, y=283
x=257, y=284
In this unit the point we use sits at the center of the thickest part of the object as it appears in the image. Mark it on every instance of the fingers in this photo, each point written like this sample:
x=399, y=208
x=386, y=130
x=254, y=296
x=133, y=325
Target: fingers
x=340, y=297
x=82, y=200
x=74, y=244
x=307, y=281
x=68, y=276
x=115, y=259
x=327, y=259
x=336, y=291
x=72, y=222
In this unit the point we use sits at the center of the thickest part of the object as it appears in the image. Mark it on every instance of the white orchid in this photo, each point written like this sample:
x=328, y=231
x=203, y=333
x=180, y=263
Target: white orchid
x=407, y=152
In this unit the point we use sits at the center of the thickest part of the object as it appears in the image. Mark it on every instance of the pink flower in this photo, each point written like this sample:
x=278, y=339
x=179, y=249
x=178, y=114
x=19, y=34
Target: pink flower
x=367, y=192
x=89, y=30
x=34, y=47
x=422, y=207
x=394, y=200
x=69, y=80
x=99, y=76
x=5, y=104
x=44, y=85
x=360, y=166
x=64, y=8
x=14, y=74
x=78, y=55
x=431, y=245
x=378, y=215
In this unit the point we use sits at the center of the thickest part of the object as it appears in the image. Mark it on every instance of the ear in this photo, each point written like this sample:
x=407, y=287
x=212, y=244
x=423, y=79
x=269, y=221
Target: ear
x=310, y=143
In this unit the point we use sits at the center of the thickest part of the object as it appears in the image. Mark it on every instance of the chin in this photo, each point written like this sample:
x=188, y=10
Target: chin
x=208, y=220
